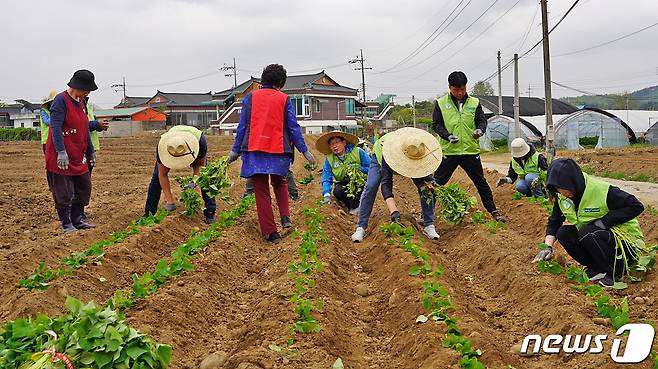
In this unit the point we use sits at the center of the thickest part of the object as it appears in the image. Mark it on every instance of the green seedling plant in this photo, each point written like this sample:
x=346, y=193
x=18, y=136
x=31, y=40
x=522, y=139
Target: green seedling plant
x=517, y=195
x=214, y=177
x=479, y=217
x=356, y=180
x=42, y=276
x=455, y=202
x=435, y=298
x=189, y=196
x=90, y=336
x=651, y=210
x=493, y=225
x=633, y=252
x=308, y=178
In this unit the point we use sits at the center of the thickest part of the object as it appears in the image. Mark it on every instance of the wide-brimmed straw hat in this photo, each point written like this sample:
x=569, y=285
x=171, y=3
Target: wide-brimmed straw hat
x=50, y=98
x=322, y=144
x=519, y=148
x=178, y=149
x=412, y=152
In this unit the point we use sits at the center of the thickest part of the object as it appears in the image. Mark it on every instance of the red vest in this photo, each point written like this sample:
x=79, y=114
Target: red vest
x=266, y=125
x=76, y=134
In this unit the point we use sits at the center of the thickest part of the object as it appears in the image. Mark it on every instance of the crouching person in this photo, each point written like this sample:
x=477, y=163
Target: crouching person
x=585, y=211
x=526, y=166
x=342, y=154
x=178, y=148
x=412, y=153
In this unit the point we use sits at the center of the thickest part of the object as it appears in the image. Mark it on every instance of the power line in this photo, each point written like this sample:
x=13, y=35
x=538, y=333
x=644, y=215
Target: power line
x=527, y=32
x=177, y=82
x=432, y=36
x=608, y=42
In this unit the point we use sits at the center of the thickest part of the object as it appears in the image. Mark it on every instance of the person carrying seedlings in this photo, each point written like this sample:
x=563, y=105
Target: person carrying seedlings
x=412, y=153
x=67, y=151
x=180, y=147
x=459, y=121
x=267, y=131
x=526, y=166
x=594, y=222
x=342, y=156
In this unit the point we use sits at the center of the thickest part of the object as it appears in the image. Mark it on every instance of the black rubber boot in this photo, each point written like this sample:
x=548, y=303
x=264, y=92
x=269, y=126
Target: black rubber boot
x=77, y=217
x=65, y=217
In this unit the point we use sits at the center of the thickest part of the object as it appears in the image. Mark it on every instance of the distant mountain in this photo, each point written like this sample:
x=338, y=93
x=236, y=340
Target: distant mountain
x=644, y=99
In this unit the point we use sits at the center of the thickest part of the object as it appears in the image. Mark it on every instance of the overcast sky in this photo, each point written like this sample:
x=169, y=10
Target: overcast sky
x=155, y=43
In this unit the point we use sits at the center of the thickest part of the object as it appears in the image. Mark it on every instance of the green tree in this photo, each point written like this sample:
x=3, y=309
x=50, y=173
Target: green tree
x=483, y=88
x=403, y=115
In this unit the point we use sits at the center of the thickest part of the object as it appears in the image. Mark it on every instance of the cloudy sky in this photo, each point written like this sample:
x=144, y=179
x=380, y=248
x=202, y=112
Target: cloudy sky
x=158, y=44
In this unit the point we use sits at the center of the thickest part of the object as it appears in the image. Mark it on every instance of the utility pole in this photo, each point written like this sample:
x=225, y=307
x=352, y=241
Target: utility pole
x=233, y=74
x=363, y=74
x=517, y=120
x=548, y=96
x=529, y=90
x=500, y=88
x=122, y=85
x=413, y=108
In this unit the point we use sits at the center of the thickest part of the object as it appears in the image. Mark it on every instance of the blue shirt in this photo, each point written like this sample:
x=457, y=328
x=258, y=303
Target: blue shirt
x=258, y=162
x=328, y=174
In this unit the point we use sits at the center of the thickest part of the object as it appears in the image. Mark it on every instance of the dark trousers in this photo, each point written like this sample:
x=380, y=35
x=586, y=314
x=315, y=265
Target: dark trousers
x=592, y=247
x=264, y=200
x=69, y=190
x=154, y=191
x=340, y=192
x=473, y=168
x=292, y=187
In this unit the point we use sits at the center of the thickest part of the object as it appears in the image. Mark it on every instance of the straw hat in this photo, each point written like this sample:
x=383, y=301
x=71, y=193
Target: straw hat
x=178, y=149
x=519, y=148
x=322, y=144
x=50, y=98
x=412, y=152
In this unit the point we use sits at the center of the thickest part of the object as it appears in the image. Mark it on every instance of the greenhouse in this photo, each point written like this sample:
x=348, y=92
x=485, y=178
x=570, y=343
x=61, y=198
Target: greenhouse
x=651, y=136
x=590, y=127
x=500, y=131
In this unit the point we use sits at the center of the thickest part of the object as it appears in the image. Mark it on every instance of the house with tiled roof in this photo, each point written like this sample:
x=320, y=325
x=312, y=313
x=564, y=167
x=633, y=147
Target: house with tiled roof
x=184, y=108
x=321, y=103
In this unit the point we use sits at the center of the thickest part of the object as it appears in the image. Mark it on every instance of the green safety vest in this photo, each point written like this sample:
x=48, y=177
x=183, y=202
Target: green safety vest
x=44, y=127
x=460, y=124
x=593, y=207
x=183, y=128
x=377, y=149
x=339, y=167
x=531, y=166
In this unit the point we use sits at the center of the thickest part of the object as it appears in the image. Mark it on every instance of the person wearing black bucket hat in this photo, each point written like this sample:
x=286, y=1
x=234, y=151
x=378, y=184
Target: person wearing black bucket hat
x=69, y=150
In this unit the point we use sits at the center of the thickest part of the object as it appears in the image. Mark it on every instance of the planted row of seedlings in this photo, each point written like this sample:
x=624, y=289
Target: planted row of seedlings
x=98, y=337
x=301, y=275
x=42, y=276
x=492, y=225
x=435, y=298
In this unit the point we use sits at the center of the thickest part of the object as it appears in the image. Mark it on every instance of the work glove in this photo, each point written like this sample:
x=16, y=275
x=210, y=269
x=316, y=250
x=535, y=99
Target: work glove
x=62, y=160
x=309, y=157
x=170, y=206
x=534, y=184
x=191, y=185
x=91, y=159
x=326, y=199
x=503, y=180
x=477, y=133
x=545, y=254
x=453, y=139
x=599, y=223
x=232, y=156
x=395, y=217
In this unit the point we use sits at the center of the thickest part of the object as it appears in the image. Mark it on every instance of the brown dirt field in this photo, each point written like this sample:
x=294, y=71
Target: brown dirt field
x=232, y=301
x=631, y=161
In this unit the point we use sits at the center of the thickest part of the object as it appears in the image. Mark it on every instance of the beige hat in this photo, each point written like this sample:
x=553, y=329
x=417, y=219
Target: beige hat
x=322, y=144
x=178, y=149
x=412, y=152
x=519, y=148
x=50, y=98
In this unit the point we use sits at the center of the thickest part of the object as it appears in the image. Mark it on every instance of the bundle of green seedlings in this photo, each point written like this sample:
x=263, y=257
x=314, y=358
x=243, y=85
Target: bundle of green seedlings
x=357, y=179
x=86, y=337
x=435, y=298
x=301, y=275
x=634, y=253
x=455, y=202
x=308, y=178
x=180, y=259
x=213, y=179
x=492, y=226
x=41, y=277
x=189, y=196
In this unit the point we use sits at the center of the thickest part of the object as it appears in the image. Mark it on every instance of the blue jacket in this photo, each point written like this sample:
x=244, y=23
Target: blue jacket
x=328, y=175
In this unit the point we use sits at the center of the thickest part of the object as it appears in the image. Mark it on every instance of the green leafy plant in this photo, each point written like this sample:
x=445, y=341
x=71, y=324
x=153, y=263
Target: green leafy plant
x=517, y=195
x=356, y=180
x=18, y=134
x=308, y=178
x=479, y=217
x=214, y=177
x=651, y=210
x=629, y=249
x=493, y=225
x=42, y=276
x=455, y=202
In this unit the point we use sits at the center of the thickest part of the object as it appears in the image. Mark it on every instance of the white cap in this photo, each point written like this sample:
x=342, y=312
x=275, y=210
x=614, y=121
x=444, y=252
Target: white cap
x=519, y=148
